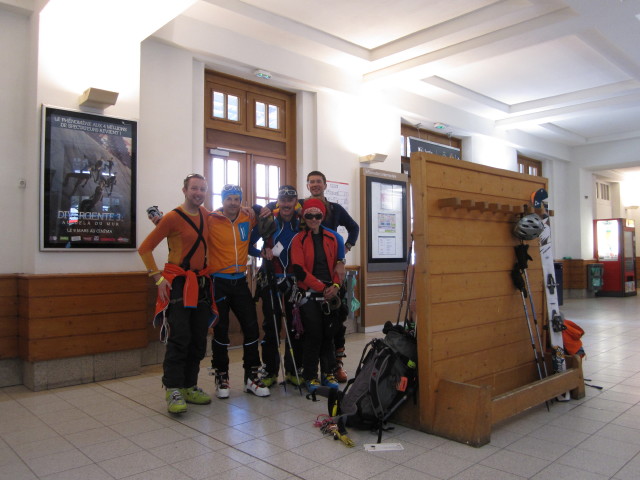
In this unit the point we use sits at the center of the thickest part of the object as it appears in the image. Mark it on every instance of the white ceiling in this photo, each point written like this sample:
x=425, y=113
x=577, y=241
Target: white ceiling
x=564, y=70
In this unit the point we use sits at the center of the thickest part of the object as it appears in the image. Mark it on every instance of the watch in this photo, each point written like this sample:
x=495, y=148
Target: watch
x=348, y=246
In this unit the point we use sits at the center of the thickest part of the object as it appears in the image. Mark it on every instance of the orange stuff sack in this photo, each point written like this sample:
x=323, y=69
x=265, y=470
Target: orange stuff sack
x=571, y=337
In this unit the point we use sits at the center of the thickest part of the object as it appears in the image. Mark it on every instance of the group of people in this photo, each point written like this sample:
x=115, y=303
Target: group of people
x=205, y=278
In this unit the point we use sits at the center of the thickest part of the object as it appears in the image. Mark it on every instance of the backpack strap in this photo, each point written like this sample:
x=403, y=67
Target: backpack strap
x=186, y=263
x=380, y=365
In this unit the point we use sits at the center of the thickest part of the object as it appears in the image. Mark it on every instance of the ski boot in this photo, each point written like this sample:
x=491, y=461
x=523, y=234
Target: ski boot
x=339, y=372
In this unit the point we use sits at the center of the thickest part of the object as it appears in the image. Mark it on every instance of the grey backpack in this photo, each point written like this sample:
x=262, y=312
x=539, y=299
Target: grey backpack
x=385, y=378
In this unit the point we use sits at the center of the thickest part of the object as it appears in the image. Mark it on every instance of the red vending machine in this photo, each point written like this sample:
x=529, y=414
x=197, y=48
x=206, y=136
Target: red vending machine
x=615, y=247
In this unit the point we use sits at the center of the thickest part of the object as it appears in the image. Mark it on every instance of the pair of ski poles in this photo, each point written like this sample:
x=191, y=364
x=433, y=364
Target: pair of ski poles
x=273, y=290
x=521, y=282
x=404, y=287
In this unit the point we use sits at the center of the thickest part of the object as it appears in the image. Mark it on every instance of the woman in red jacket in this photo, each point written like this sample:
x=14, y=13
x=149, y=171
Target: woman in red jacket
x=314, y=255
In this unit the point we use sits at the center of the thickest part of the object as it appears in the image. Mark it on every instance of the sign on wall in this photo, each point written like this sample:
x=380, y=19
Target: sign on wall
x=419, y=145
x=386, y=219
x=338, y=192
x=88, y=182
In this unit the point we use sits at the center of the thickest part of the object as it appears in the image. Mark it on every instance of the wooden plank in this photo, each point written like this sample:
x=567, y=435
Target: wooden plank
x=8, y=326
x=74, y=325
x=463, y=413
x=454, y=259
x=466, y=341
x=574, y=361
x=466, y=286
x=468, y=368
x=428, y=382
x=472, y=232
x=45, y=307
x=509, y=379
x=532, y=394
x=502, y=209
x=474, y=312
x=467, y=178
x=53, y=348
x=8, y=285
x=8, y=347
x=33, y=286
x=449, y=202
x=9, y=306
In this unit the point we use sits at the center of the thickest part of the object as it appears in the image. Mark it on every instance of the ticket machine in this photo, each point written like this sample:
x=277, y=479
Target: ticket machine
x=615, y=247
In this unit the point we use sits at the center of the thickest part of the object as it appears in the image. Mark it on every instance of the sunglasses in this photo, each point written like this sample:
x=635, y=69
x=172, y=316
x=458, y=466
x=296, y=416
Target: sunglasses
x=313, y=216
x=185, y=182
x=229, y=187
x=287, y=193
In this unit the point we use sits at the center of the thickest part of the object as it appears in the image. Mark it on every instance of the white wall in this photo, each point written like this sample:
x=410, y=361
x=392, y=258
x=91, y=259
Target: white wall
x=168, y=126
x=489, y=151
x=334, y=129
x=14, y=58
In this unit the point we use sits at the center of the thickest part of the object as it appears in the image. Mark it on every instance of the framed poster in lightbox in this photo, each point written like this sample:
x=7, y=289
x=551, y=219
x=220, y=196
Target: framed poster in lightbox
x=88, y=181
x=386, y=220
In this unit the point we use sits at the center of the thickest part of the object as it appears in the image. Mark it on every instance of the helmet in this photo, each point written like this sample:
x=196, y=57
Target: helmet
x=528, y=227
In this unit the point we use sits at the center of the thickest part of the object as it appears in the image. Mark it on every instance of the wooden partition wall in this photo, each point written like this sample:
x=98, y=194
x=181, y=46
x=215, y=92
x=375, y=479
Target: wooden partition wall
x=71, y=315
x=475, y=360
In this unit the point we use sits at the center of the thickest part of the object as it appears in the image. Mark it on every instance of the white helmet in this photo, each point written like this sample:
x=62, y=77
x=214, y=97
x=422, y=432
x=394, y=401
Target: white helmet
x=528, y=227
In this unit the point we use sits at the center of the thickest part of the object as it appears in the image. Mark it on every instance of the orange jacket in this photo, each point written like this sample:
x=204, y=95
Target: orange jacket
x=190, y=293
x=180, y=236
x=229, y=244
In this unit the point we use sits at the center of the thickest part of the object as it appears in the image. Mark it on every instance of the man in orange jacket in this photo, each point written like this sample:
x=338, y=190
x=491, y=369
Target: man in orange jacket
x=185, y=294
x=229, y=238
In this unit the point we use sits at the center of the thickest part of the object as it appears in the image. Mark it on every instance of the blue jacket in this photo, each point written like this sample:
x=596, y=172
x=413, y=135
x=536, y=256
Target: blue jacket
x=285, y=231
x=336, y=217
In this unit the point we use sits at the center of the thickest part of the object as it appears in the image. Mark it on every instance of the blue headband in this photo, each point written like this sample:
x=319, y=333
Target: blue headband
x=231, y=190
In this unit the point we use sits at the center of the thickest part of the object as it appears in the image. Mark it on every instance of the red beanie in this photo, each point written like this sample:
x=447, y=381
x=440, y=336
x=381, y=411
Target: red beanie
x=314, y=203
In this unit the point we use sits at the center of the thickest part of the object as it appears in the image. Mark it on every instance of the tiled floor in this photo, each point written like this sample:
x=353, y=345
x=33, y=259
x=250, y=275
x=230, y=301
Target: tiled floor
x=120, y=429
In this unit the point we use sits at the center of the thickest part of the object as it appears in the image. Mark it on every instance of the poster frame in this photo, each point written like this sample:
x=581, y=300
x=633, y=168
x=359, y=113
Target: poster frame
x=400, y=261
x=110, y=229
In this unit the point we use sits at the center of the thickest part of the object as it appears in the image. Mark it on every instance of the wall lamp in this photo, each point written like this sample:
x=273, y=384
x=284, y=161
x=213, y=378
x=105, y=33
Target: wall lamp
x=373, y=158
x=96, y=98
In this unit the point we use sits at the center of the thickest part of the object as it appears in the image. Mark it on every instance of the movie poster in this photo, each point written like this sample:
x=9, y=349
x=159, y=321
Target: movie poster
x=88, y=181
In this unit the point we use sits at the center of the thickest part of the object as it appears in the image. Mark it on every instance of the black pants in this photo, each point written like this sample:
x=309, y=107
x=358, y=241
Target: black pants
x=319, y=330
x=272, y=329
x=234, y=295
x=187, y=341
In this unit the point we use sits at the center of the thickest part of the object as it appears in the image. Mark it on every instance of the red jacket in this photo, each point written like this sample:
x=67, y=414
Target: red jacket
x=303, y=255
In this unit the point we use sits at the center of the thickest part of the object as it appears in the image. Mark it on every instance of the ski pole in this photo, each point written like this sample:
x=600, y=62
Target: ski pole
x=516, y=276
x=408, y=309
x=286, y=330
x=522, y=257
x=404, y=285
x=276, y=331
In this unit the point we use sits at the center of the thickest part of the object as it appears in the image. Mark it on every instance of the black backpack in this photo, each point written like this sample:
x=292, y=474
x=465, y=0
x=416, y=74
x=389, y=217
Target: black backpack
x=385, y=378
